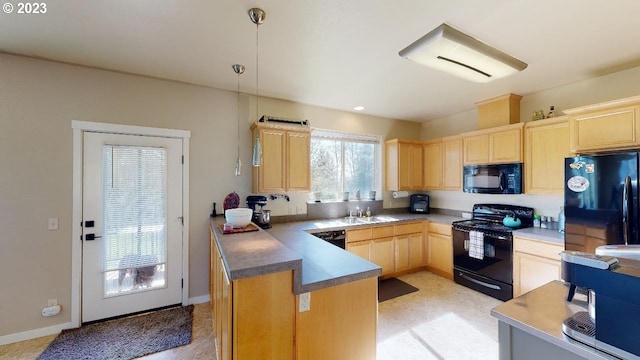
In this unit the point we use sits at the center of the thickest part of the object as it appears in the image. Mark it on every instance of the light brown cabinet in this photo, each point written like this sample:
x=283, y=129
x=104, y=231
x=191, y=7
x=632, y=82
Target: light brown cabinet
x=440, y=249
x=403, y=165
x=409, y=246
x=613, y=125
x=260, y=307
x=443, y=163
x=286, y=161
x=546, y=146
x=535, y=263
x=497, y=145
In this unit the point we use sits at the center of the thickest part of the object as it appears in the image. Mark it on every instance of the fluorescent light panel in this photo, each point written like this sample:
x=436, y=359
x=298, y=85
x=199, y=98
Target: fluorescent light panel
x=450, y=50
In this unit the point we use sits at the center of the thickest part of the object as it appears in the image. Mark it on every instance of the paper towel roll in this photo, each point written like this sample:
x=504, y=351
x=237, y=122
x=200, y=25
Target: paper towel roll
x=399, y=194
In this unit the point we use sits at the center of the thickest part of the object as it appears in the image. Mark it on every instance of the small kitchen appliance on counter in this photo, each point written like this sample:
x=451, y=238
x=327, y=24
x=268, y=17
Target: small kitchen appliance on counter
x=419, y=204
x=483, y=248
x=613, y=327
x=261, y=216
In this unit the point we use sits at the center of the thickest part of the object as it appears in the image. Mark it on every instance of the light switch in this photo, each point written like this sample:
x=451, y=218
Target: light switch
x=53, y=224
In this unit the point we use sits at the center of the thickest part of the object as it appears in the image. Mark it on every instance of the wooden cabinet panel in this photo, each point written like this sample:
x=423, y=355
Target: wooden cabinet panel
x=286, y=161
x=493, y=146
x=383, y=255
x=605, y=129
x=433, y=165
x=546, y=146
x=382, y=231
x=506, y=146
x=535, y=263
x=476, y=149
x=440, y=254
x=410, y=228
x=403, y=165
x=360, y=248
x=298, y=161
x=416, y=250
x=272, y=171
x=401, y=253
x=438, y=228
x=359, y=234
x=452, y=163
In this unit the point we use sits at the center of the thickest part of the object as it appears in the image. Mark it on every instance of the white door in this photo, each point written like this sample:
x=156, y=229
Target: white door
x=132, y=224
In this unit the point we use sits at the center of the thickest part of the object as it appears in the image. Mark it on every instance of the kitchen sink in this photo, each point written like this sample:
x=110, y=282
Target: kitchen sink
x=366, y=220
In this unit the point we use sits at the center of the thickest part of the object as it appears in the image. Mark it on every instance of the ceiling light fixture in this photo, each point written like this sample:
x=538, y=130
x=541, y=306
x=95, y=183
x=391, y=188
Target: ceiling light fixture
x=358, y=108
x=238, y=69
x=450, y=50
x=257, y=16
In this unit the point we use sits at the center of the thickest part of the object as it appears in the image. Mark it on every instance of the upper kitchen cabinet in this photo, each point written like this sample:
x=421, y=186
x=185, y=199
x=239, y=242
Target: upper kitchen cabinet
x=443, y=163
x=497, y=145
x=502, y=110
x=546, y=144
x=403, y=165
x=285, y=159
x=612, y=125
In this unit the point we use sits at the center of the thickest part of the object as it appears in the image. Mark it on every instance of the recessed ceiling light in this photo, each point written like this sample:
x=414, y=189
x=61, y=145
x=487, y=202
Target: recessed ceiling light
x=358, y=108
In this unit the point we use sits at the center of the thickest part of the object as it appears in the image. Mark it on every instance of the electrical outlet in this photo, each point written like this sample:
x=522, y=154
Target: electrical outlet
x=53, y=224
x=305, y=302
x=52, y=302
x=299, y=210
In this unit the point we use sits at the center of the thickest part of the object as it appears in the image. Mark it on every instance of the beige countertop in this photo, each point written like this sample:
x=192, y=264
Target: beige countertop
x=540, y=313
x=316, y=263
x=547, y=235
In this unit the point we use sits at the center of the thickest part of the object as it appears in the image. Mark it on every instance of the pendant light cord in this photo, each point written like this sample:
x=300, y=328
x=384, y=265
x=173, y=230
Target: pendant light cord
x=238, y=101
x=257, y=70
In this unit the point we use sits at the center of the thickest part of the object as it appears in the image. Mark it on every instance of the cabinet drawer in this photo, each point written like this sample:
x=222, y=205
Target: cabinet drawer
x=382, y=231
x=358, y=234
x=539, y=248
x=438, y=228
x=412, y=228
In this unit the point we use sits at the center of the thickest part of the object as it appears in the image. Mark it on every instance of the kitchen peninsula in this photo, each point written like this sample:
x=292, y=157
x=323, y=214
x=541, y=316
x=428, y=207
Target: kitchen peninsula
x=262, y=281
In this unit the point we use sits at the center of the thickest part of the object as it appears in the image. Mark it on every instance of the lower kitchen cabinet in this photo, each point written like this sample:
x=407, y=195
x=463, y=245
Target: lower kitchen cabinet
x=409, y=247
x=382, y=254
x=535, y=263
x=440, y=249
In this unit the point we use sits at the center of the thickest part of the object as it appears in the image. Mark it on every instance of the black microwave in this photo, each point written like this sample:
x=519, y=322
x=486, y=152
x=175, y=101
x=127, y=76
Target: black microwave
x=419, y=204
x=492, y=179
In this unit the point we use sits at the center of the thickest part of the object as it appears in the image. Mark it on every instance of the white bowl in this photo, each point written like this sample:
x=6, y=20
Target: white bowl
x=238, y=217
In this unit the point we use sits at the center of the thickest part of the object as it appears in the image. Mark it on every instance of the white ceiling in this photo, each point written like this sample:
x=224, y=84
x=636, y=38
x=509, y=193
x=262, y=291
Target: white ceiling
x=333, y=53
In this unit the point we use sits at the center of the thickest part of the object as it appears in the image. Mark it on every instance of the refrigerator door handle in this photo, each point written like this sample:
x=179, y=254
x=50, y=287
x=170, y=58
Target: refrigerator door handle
x=626, y=219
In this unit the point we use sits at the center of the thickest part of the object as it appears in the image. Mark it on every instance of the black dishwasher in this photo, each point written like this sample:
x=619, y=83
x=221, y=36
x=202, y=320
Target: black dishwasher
x=335, y=237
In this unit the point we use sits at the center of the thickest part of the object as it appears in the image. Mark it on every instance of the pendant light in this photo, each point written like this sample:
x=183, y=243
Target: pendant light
x=238, y=69
x=257, y=16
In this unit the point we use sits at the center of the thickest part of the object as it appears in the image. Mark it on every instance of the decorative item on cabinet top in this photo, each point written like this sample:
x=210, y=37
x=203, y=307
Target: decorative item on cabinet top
x=274, y=119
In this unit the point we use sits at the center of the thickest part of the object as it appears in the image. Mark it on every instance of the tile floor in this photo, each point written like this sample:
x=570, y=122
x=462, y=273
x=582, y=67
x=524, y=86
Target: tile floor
x=441, y=321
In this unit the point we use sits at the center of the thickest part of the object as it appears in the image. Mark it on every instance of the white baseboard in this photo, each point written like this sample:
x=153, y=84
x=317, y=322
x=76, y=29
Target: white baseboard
x=32, y=334
x=199, y=299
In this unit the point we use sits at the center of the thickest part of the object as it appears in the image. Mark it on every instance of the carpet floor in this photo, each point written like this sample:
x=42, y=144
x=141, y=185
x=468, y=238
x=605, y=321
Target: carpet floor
x=124, y=338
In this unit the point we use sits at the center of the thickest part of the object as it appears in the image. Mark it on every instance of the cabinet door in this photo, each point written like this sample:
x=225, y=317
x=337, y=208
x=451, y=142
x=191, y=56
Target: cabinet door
x=440, y=254
x=416, y=172
x=531, y=271
x=476, y=149
x=617, y=128
x=401, y=253
x=546, y=146
x=272, y=172
x=382, y=254
x=404, y=166
x=505, y=146
x=298, y=150
x=452, y=164
x=360, y=248
x=433, y=165
x=416, y=250
x=226, y=316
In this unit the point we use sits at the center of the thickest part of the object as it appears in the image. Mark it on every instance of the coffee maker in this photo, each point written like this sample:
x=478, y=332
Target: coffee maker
x=261, y=217
x=613, y=327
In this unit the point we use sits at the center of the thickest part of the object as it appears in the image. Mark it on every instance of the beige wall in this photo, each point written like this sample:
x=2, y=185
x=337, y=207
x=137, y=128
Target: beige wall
x=609, y=87
x=38, y=100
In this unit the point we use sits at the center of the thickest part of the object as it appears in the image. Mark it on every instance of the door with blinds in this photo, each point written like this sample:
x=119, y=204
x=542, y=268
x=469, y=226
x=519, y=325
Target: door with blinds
x=132, y=224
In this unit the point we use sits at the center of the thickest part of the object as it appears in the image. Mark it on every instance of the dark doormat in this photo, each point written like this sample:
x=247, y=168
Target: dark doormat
x=124, y=338
x=392, y=288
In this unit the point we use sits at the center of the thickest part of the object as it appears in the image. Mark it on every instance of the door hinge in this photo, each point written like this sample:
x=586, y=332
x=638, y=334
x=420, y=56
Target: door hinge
x=182, y=283
x=182, y=159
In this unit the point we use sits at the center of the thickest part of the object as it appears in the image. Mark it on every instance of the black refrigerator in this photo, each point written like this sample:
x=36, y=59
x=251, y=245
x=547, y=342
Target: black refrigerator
x=601, y=201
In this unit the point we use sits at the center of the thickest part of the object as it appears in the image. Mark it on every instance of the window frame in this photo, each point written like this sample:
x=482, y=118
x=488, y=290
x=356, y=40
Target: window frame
x=345, y=137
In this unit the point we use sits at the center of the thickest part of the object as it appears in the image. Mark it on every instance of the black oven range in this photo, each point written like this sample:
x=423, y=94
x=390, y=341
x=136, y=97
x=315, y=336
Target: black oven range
x=483, y=248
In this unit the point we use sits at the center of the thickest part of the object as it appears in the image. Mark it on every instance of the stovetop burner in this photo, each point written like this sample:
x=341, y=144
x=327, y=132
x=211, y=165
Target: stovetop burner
x=488, y=217
x=484, y=225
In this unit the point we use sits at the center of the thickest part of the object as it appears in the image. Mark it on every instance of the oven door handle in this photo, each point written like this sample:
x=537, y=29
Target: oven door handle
x=481, y=283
